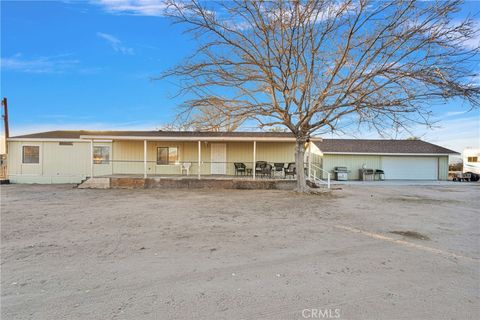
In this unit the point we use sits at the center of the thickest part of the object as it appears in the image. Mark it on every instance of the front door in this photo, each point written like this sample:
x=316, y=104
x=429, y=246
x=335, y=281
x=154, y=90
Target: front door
x=219, y=158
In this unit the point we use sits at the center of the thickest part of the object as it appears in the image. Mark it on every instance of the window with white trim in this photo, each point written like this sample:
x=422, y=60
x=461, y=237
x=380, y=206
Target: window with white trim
x=167, y=155
x=101, y=155
x=472, y=159
x=31, y=154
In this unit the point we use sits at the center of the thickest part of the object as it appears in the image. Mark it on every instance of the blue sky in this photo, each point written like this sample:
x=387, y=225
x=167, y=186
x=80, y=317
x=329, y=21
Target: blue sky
x=87, y=65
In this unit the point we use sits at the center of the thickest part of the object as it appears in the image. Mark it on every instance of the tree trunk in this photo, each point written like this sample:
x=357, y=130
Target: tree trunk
x=300, y=164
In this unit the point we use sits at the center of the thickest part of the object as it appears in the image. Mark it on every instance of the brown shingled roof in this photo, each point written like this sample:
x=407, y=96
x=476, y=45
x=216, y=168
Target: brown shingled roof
x=63, y=134
x=326, y=146
x=380, y=146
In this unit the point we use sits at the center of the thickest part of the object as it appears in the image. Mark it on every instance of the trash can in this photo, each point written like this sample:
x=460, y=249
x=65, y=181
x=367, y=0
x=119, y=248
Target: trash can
x=380, y=174
x=366, y=174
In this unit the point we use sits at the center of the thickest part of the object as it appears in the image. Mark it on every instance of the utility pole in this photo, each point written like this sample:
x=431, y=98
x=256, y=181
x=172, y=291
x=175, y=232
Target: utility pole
x=5, y=121
x=3, y=166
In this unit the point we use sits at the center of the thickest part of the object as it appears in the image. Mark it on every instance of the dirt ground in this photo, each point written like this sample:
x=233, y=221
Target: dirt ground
x=364, y=252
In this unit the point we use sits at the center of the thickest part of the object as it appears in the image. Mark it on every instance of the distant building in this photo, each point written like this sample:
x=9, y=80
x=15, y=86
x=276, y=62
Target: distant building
x=471, y=160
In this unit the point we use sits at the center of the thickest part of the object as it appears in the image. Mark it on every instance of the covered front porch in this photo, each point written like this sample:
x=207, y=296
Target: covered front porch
x=213, y=159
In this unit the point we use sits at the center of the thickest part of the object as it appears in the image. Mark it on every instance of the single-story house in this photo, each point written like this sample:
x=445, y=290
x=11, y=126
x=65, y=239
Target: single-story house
x=72, y=156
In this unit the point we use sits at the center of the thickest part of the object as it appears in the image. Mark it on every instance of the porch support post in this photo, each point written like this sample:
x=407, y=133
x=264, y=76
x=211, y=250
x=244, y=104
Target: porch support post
x=309, y=158
x=91, y=158
x=199, y=158
x=145, y=159
x=254, y=158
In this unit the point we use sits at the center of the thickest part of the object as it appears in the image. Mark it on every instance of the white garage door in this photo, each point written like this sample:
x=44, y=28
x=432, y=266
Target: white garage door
x=410, y=168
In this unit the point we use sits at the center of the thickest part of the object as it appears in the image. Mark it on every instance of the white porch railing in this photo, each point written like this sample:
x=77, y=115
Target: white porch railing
x=315, y=175
x=240, y=170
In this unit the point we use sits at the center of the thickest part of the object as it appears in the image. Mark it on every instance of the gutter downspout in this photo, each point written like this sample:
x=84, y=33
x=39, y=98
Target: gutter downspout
x=254, y=157
x=91, y=158
x=144, y=159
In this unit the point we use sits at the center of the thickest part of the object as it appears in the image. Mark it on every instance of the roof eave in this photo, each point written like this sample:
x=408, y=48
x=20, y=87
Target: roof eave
x=202, y=138
x=395, y=153
x=13, y=139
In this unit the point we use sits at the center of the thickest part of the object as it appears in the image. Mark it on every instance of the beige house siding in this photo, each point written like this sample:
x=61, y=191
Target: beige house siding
x=266, y=151
x=72, y=163
x=239, y=152
x=276, y=151
x=58, y=163
x=128, y=155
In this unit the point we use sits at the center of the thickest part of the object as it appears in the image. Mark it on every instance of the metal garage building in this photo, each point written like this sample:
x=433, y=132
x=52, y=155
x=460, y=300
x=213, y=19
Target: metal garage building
x=400, y=159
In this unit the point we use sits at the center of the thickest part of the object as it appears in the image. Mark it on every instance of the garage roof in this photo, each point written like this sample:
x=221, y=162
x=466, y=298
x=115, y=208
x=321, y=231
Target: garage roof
x=363, y=146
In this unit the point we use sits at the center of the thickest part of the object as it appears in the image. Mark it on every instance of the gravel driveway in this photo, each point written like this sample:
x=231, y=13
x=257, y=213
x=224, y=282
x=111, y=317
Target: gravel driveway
x=362, y=252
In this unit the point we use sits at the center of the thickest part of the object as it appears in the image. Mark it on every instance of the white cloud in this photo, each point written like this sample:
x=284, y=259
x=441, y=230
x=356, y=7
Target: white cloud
x=456, y=134
x=454, y=113
x=475, y=80
x=474, y=42
x=134, y=7
x=115, y=43
x=52, y=64
x=452, y=133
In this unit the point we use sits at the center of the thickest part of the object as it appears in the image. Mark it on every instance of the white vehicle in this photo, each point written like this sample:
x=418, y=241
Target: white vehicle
x=471, y=160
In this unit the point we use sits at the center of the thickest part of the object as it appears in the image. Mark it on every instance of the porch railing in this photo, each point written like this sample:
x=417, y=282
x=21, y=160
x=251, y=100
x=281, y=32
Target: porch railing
x=315, y=174
x=219, y=169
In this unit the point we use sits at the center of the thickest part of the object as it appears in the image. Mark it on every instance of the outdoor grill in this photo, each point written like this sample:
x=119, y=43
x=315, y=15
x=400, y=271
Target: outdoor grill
x=341, y=173
x=366, y=174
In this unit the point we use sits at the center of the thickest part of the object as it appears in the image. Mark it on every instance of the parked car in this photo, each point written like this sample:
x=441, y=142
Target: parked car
x=467, y=176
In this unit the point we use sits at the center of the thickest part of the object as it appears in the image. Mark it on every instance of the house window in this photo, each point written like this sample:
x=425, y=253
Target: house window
x=101, y=155
x=472, y=159
x=31, y=154
x=167, y=155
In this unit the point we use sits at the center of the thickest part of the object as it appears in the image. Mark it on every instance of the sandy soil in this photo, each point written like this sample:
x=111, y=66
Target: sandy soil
x=240, y=254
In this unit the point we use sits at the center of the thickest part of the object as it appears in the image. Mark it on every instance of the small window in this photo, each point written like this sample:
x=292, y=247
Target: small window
x=31, y=154
x=101, y=155
x=65, y=143
x=167, y=155
x=472, y=159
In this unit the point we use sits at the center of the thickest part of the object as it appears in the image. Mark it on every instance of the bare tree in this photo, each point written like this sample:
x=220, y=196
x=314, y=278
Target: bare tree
x=209, y=114
x=316, y=65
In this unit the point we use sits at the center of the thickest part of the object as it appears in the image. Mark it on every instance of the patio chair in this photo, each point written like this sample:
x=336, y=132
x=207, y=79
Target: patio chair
x=278, y=167
x=259, y=165
x=240, y=168
x=267, y=170
x=186, y=167
x=291, y=170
